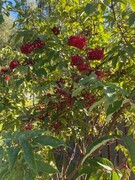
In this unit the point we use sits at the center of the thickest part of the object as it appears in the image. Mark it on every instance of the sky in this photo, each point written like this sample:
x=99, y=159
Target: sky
x=14, y=14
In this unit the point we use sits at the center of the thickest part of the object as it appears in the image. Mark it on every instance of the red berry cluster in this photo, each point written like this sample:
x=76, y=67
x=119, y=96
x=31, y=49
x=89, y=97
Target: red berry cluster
x=83, y=67
x=29, y=47
x=100, y=74
x=77, y=41
x=79, y=62
x=7, y=77
x=95, y=54
x=64, y=98
x=14, y=64
x=4, y=70
x=56, y=30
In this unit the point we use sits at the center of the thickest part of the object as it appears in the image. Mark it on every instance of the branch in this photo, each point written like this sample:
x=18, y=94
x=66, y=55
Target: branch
x=119, y=27
x=116, y=115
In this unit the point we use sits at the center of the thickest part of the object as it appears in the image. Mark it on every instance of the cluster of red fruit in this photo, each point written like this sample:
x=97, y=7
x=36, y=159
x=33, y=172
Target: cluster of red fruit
x=77, y=41
x=27, y=48
x=93, y=54
x=5, y=70
x=79, y=62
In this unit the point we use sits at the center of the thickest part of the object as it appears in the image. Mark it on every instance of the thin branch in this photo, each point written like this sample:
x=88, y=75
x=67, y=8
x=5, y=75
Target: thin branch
x=119, y=27
x=71, y=159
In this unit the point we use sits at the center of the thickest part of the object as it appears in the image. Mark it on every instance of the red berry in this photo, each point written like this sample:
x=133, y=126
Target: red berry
x=83, y=67
x=76, y=60
x=37, y=44
x=4, y=69
x=96, y=54
x=26, y=48
x=7, y=77
x=14, y=64
x=77, y=41
x=100, y=74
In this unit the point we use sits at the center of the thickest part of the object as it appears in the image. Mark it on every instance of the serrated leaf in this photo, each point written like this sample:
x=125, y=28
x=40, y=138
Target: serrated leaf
x=130, y=145
x=49, y=141
x=97, y=144
x=12, y=155
x=28, y=152
x=45, y=167
x=132, y=4
x=114, y=107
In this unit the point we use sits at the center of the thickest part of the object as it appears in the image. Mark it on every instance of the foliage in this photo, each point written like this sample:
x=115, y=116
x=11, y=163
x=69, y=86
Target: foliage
x=67, y=85
x=6, y=31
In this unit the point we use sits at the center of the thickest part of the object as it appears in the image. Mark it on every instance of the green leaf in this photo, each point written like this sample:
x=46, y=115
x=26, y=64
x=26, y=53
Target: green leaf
x=77, y=91
x=114, y=176
x=49, y=141
x=106, y=2
x=40, y=72
x=132, y=4
x=86, y=170
x=97, y=144
x=28, y=152
x=98, y=161
x=96, y=176
x=19, y=173
x=1, y=152
x=1, y=19
x=88, y=79
x=108, y=168
x=131, y=19
x=2, y=107
x=97, y=104
x=89, y=8
x=28, y=175
x=130, y=145
x=33, y=133
x=114, y=107
x=12, y=155
x=45, y=167
x=110, y=93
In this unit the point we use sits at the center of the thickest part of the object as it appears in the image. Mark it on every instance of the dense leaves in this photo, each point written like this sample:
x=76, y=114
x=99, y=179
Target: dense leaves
x=67, y=86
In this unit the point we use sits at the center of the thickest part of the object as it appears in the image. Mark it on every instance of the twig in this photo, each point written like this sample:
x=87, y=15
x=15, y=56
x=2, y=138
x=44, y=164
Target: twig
x=119, y=27
x=71, y=159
